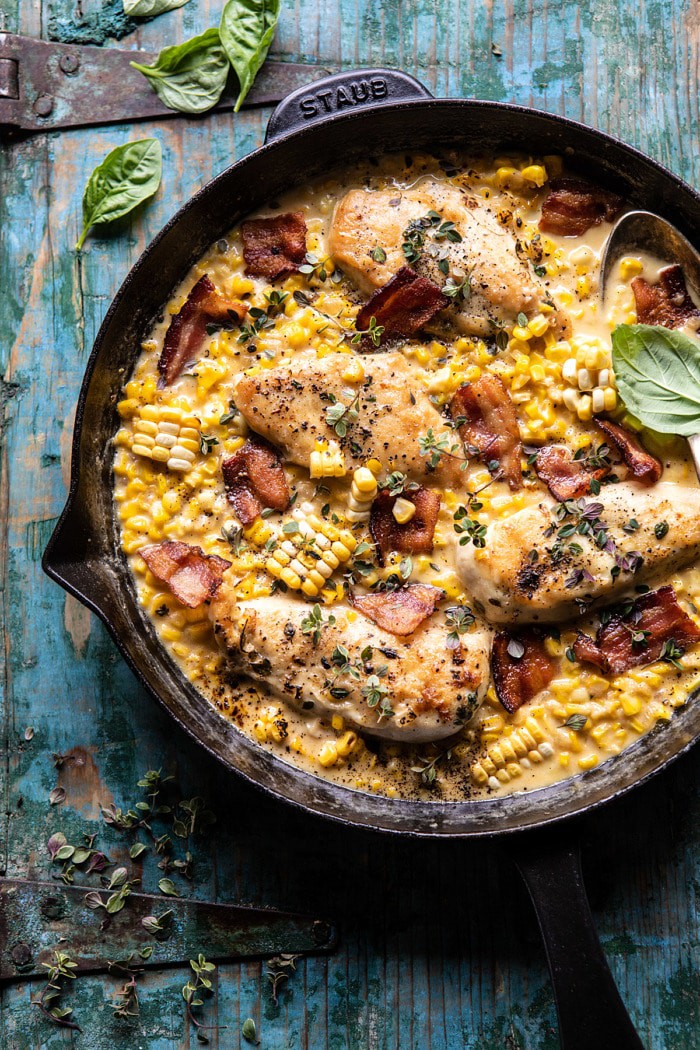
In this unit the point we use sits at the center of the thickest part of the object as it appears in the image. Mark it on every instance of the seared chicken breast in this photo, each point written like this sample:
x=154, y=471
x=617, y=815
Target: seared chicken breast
x=501, y=285
x=425, y=689
x=288, y=406
x=527, y=571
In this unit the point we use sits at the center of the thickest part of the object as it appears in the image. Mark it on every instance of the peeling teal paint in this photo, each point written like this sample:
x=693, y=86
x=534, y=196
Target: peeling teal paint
x=70, y=24
x=438, y=952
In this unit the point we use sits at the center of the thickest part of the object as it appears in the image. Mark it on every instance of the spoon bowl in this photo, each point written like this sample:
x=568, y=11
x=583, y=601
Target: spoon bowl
x=643, y=231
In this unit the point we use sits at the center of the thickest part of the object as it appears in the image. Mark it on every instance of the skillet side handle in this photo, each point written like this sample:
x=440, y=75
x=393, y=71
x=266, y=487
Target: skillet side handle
x=342, y=93
x=590, y=1010
x=70, y=558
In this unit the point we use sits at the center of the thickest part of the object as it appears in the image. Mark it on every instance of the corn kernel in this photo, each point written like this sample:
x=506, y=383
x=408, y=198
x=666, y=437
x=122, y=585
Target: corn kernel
x=347, y=743
x=538, y=325
x=328, y=755
x=534, y=173
x=630, y=267
x=403, y=510
x=354, y=372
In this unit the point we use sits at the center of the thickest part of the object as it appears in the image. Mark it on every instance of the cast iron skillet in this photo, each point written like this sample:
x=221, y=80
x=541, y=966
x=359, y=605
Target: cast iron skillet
x=336, y=121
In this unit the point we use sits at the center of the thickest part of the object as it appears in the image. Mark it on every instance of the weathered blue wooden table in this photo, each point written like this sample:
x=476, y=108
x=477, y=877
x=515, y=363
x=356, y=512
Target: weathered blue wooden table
x=439, y=948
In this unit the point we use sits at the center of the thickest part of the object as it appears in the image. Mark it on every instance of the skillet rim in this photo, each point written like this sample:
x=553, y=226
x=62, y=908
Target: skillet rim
x=351, y=800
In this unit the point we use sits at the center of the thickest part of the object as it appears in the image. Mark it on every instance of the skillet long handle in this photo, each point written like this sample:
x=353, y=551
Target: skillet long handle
x=590, y=1010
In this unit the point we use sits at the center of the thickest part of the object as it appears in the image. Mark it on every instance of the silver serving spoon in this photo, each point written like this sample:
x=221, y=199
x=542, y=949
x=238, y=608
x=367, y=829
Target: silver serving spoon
x=643, y=231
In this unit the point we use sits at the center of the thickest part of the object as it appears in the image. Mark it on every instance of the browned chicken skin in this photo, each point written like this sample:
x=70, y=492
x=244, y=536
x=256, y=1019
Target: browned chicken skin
x=501, y=285
x=430, y=688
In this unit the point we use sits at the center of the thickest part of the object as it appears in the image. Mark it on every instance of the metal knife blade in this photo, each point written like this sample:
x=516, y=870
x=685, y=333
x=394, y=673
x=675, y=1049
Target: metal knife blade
x=46, y=85
x=38, y=917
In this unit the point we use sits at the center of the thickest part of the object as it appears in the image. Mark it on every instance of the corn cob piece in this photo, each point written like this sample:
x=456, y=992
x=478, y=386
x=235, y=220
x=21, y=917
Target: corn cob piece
x=362, y=492
x=591, y=382
x=307, y=556
x=166, y=435
x=327, y=461
x=519, y=749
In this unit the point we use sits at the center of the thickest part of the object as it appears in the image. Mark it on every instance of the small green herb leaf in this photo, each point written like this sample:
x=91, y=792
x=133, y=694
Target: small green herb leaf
x=657, y=371
x=189, y=77
x=167, y=886
x=576, y=722
x=150, y=8
x=248, y=1031
x=247, y=28
x=129, y=175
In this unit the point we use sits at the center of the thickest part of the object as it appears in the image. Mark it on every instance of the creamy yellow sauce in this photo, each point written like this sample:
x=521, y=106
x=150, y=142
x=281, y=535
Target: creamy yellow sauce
x=495, y=751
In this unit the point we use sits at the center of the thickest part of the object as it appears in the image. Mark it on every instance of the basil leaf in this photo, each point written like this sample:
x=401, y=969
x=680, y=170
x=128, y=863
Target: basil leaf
x=657, y=371
x=151, y=8
x=247, y=28
x=129, y=175
x=189, y=77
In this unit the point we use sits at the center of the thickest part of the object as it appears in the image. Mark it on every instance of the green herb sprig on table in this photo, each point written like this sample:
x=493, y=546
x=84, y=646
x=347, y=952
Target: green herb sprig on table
x=198, y=986
x=61, y=969
x=279, y=970
x=127, y=177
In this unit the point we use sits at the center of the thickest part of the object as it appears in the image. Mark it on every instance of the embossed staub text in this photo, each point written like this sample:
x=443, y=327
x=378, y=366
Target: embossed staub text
x=352, y=93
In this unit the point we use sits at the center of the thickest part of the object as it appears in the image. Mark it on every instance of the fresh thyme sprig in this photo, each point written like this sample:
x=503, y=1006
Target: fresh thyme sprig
x=339, y=415
x=193, y=991
x=427, y=769
x=279, y=970
x=61, y=969
x=313, y=623
x=313, y=266
x=376, y=693
x=126, y=998
x=434, y=447
x=430, y=225
x=374, y=333
x=672, y=653
x=459, y=618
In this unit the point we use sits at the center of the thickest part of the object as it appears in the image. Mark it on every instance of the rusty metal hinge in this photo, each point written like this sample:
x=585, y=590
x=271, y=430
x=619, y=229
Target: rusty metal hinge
x=44, y=85
x=37, y=917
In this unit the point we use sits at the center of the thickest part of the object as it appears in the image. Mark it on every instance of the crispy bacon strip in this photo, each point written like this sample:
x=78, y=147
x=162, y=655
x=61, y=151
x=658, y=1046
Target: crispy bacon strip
x=188, y=328
x=520, y=667
x=564, y=476
x=572, y=206
x=638, y=634
x=491, y=426
x=401, y=307
x=191, y=575
x=416, y=536
x=400, y=612
x=667, y=303
x=274, y=247
x=254, y=479
x=640, y=463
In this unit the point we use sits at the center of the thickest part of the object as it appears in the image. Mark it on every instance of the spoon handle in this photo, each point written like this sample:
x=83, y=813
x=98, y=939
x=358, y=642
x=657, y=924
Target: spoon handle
x=694, y=443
